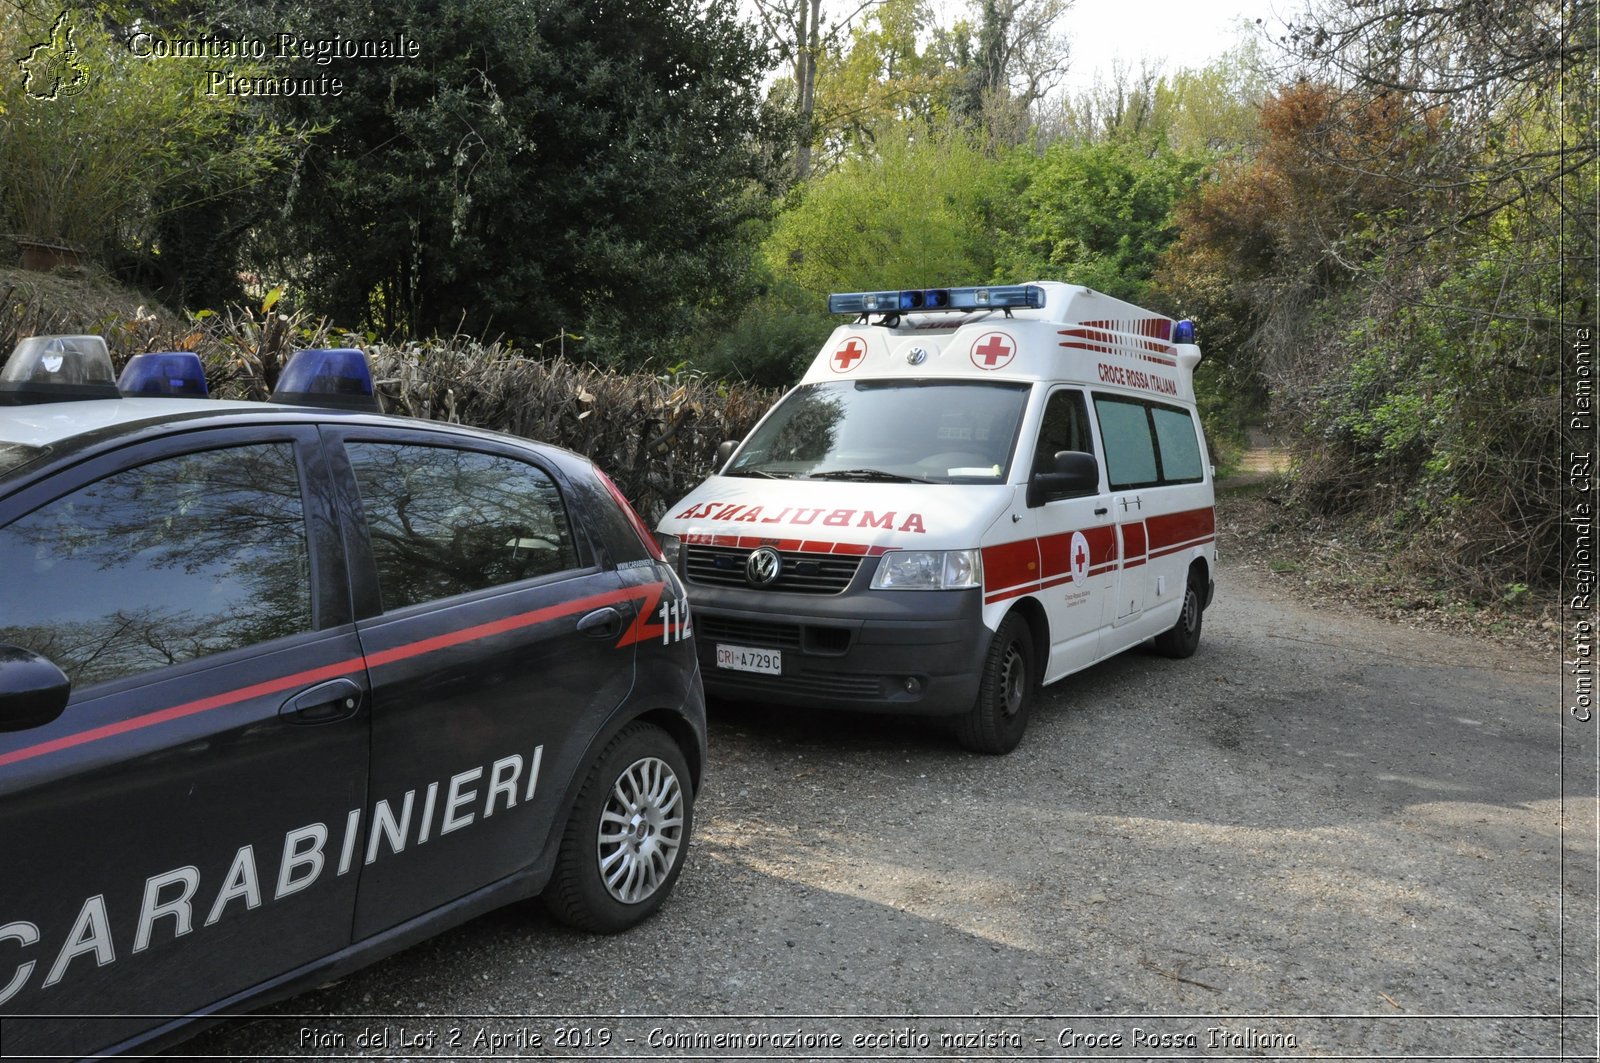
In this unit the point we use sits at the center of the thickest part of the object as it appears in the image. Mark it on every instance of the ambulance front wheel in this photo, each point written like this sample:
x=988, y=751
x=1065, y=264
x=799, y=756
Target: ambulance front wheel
x=1183, y=638
x=1005, y=693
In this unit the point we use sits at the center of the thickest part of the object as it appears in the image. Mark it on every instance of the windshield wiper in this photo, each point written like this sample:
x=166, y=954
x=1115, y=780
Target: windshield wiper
x=762, y=473
x=869, y=476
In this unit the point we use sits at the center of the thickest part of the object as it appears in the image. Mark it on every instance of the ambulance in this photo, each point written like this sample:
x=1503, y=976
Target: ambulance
x=970, y=493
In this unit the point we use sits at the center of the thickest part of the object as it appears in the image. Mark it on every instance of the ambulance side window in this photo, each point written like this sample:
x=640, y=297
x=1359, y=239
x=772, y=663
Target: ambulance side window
x=1180, y=449
x=1130, y=446
x=445, y=521
x=1065, y=426
x=160, y=564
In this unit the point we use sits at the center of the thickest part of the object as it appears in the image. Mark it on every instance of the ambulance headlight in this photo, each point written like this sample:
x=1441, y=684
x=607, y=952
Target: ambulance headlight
x=670, y=546
x=928, y=570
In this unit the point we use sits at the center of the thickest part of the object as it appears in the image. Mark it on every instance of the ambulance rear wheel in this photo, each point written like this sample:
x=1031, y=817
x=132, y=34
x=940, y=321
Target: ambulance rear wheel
x=628, y=835
x=1183, y=638
x=1005, y=695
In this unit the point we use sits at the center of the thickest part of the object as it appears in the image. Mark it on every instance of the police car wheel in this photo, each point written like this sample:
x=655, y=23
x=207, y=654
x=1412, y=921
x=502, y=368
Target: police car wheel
x=1005, y=694
x=1183, y=638
x=628, y=834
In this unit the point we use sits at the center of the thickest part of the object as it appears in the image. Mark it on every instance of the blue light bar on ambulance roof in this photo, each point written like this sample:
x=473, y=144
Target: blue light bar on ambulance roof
x=57, y=369
x=1183, y=331
x=174, y=374
x=333, y=377
x=915, y=300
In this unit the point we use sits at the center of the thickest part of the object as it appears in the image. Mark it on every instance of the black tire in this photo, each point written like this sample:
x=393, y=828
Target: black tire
x=1183, y=638
x=626, y=840
x=1005, y=695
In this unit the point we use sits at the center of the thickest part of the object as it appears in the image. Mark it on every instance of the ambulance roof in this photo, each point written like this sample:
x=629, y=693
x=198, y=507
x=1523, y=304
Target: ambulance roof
x=1069, y=333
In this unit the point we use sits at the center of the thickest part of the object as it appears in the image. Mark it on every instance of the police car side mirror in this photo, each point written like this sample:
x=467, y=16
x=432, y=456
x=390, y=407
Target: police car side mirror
x=725, y=451
x=1075, y=473
x=32, y=690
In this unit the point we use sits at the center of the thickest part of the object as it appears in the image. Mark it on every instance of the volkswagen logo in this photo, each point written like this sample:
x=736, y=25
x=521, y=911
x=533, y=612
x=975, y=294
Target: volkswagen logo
x=763, y=566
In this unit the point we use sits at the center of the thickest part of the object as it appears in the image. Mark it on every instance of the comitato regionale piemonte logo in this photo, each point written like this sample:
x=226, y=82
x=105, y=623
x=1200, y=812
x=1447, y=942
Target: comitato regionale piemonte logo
x=52, y=70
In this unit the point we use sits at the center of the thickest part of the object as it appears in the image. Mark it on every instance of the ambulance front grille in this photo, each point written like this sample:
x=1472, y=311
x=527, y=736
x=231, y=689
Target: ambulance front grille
x=802, y=573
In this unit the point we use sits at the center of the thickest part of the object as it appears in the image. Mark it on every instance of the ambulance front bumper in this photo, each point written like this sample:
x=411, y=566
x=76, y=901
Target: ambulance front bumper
x=914, y=652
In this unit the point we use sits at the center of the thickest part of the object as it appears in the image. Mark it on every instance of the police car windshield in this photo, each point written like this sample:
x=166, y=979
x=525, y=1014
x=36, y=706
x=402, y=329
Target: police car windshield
x=887, y=431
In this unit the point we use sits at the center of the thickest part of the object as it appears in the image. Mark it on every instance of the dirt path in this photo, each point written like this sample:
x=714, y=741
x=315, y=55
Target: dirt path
x=1322, y=836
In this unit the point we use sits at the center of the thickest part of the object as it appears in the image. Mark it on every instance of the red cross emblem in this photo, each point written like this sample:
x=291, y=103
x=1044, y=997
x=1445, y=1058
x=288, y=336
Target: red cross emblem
x=1079, y=557
x=846, y=357
x=993, y=351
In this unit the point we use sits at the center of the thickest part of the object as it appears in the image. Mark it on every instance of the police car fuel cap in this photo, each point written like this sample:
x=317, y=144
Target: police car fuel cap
x=58, y=369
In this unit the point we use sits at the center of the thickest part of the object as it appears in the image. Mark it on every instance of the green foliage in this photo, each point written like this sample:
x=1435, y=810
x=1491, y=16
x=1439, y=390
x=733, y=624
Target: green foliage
x=542, y=166
x=772, y=341
x=917, y=214
x=1098, y=215
x=97, y=144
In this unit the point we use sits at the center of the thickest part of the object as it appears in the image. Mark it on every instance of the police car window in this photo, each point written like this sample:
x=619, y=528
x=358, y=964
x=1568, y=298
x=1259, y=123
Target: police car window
x=160, y=564
x=1065, y=426
x=1180, y=449
x=445, y=521
x=1130, y=450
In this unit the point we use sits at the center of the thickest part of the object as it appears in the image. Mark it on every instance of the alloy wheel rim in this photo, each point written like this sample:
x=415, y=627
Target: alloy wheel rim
x=641, y=830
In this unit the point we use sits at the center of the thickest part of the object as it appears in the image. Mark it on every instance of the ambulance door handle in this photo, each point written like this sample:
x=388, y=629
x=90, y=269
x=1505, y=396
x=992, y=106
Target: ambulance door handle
x=1102, y=511
x=602, y=623
x=337, y=699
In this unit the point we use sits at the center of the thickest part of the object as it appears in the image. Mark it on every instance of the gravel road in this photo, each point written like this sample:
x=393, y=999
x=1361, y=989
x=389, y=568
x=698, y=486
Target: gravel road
x=1323, y=836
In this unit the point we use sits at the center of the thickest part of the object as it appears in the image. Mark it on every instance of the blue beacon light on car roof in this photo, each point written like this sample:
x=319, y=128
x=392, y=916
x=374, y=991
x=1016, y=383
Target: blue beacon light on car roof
x=57, y=369
x=336, y=377
x=1183, y=331
x=999, y=297
x=171, y=374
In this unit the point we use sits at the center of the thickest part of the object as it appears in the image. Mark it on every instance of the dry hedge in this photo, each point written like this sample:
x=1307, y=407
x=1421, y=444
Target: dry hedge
x=654, y=434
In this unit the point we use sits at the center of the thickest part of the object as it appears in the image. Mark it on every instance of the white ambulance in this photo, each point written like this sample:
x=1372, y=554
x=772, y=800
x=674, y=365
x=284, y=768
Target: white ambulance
x=971, y=492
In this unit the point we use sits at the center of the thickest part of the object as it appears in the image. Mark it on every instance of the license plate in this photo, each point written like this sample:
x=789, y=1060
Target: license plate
x=746, y=659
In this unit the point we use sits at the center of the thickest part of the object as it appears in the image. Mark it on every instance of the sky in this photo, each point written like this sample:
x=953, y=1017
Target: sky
x=1171, y=34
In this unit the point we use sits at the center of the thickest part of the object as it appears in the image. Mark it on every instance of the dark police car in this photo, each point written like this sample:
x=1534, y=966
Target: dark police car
x=285, y=689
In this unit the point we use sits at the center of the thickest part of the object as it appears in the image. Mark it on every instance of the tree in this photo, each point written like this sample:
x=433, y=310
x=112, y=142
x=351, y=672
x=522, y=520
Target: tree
x=541, y=168
x=1393, y=261
x=99, y=146
x=1097, y=215
x=1019, y=57
x=916, y=214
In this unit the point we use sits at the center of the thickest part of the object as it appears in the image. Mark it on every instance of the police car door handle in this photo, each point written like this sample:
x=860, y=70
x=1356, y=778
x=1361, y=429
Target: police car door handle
x=337, y=699
x=602, y=623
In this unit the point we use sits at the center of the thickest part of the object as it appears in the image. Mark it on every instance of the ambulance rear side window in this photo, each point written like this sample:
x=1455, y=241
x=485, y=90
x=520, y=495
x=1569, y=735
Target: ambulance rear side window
x=1180, y=450
x=1148, y=444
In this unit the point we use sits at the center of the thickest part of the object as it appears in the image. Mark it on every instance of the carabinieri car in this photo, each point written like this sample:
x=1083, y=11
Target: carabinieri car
x=284, y=689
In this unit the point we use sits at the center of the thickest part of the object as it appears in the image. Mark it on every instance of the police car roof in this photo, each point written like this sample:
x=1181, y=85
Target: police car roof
x=64, y=428
x=46, y=423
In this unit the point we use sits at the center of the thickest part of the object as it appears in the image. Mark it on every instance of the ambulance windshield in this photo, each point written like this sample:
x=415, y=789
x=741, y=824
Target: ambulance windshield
x=888, y=431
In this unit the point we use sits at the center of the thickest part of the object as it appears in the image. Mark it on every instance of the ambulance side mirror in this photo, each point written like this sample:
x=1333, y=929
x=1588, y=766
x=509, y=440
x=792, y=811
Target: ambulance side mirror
x=1074, y=473
x=725, y=451
x=32, y=690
